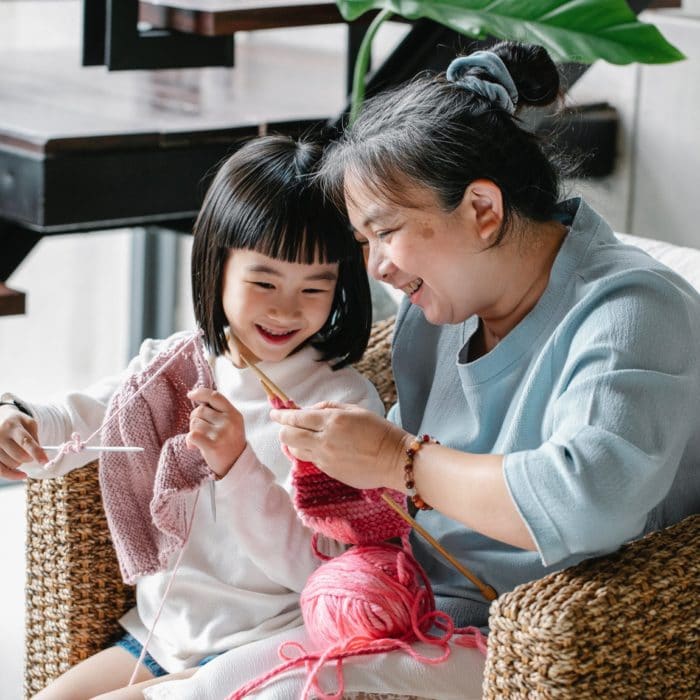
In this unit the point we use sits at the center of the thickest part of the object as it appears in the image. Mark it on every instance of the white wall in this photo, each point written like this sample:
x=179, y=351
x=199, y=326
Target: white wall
x=654, y=190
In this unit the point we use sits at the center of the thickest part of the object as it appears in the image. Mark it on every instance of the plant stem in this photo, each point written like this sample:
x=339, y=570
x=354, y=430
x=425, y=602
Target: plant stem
x=362, y=63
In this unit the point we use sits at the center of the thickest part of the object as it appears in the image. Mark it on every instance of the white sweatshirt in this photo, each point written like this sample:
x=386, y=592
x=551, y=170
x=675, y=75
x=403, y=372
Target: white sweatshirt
x=241, y=575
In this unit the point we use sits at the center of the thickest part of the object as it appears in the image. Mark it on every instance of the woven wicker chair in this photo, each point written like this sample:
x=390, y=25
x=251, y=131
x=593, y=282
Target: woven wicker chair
x=622, y=626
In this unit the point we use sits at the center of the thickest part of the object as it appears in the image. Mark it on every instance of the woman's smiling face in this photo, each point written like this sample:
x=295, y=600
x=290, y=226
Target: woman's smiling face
x=438, y=259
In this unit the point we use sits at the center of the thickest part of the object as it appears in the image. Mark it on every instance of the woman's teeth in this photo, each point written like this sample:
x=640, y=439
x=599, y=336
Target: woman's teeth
x=412, y=287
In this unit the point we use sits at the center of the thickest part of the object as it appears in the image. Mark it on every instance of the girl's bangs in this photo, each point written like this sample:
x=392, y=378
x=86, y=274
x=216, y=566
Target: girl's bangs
x=325, y=238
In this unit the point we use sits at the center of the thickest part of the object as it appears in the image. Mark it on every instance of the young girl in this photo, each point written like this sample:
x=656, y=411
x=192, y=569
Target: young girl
x=276, y=277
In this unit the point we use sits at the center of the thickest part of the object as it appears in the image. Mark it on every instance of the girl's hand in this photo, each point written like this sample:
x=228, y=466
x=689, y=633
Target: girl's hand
x=349, y=443
x=19, y=443
x=216, y=429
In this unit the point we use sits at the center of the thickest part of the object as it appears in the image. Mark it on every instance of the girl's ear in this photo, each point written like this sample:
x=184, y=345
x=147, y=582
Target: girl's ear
x=483, y=203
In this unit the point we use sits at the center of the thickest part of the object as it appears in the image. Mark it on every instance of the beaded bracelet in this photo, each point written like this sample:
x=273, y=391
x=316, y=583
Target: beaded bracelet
x=409, y=480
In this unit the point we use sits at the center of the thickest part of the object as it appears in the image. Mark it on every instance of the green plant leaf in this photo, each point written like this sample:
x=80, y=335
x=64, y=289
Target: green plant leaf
x=571, y=30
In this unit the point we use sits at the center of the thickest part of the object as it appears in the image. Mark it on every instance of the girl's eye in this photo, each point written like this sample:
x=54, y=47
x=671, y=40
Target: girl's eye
x=315, y=291
x=383, y=235
x=264, y=285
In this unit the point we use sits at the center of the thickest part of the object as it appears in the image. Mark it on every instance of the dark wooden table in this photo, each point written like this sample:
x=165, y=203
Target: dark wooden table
x=82, y=149
x=222, y=17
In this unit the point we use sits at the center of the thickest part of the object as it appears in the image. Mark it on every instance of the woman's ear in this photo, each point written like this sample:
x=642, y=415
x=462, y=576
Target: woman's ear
x=483, y=204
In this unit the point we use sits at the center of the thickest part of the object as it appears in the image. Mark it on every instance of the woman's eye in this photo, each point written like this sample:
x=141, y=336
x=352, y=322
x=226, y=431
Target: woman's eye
x=264, y=285
x=311, y=290
x=383, y=235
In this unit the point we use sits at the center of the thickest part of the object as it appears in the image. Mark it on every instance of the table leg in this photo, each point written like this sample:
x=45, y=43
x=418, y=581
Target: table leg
x=154, y=277
x=16, y=242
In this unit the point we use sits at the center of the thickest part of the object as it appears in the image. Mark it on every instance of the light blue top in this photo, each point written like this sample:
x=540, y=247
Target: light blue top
x=593, y=398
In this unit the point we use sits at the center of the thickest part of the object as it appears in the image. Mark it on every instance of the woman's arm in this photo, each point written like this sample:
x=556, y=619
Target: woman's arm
x=363, y=450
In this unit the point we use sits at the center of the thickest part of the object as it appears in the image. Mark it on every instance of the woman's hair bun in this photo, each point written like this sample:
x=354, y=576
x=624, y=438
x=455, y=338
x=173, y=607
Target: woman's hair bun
x=534, y=73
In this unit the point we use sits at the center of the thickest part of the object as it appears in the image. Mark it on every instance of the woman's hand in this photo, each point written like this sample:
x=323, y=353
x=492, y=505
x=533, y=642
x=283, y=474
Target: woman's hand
x=19, y=443
x=216, y=430
x=349, y=443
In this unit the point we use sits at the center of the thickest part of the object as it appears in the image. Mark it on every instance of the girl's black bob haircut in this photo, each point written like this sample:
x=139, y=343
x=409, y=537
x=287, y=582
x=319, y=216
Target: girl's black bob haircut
x=264, y=198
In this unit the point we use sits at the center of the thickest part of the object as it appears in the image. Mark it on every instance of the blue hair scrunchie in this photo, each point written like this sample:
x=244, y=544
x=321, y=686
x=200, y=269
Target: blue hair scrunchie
x=501, y=93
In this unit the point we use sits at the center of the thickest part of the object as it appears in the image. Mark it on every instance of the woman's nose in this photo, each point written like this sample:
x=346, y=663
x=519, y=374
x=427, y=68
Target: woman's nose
x=379, y=265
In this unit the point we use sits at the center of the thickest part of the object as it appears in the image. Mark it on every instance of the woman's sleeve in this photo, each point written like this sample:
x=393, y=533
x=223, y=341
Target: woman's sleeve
x=621, y=414
x=82, y=412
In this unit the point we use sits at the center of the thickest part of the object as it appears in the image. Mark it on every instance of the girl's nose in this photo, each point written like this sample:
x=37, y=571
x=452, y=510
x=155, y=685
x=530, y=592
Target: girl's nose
x=284, y=308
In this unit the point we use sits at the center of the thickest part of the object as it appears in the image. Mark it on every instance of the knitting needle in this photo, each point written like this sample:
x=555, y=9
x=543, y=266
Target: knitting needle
x=489, y=593
x=486, y=590
x=100, y=448
x=270, y=387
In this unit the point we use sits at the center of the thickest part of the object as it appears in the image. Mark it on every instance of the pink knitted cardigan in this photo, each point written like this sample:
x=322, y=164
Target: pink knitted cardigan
x=146, y=494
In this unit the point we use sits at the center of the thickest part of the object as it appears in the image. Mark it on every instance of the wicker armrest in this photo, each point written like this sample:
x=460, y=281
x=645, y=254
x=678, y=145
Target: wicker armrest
x=622, y=626
x=376, y=362
x=74, y=591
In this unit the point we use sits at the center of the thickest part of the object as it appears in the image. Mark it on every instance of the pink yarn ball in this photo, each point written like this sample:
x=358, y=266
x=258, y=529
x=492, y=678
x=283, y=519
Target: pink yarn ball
x=368, y=592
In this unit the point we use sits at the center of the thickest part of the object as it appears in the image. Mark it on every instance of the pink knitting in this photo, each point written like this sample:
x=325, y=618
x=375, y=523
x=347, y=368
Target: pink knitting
x=146, y=495
x=344, y=513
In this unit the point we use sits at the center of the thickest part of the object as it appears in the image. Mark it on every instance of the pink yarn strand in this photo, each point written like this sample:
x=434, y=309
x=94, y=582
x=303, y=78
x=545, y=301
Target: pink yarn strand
x=144, y=649
x=72, y=446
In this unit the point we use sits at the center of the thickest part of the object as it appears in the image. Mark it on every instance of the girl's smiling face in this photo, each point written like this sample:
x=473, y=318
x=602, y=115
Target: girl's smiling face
x=273, y=306
x=441, y=260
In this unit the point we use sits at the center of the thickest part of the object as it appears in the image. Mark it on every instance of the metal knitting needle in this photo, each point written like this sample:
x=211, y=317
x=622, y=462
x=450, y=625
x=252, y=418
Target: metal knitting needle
x=100, y=448
x=486, y=590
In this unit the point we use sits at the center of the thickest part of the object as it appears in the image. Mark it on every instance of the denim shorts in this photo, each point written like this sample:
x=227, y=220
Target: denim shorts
x=134, y=647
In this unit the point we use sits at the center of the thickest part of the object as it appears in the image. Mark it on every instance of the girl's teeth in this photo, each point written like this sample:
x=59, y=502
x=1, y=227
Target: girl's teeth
x=278, y=333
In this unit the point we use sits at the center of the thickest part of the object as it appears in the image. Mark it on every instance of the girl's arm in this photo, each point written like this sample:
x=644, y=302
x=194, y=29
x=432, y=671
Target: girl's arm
x=53, y=422
x=261, y=516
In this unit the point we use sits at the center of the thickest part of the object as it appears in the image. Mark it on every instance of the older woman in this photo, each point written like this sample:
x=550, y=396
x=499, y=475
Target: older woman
x=556, y=366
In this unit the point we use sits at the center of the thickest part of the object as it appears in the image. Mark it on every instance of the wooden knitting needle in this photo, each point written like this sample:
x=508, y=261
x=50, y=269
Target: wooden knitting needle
x=270, y=387
x=486, y=590
x=489, y=593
